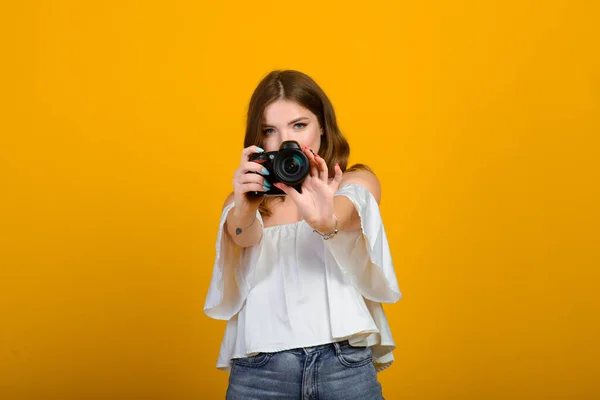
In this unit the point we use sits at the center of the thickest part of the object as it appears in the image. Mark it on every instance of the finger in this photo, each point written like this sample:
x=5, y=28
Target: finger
x=322, y=166
x=314, y=169
x=253, y=166
x=248, y=151
x=251, y=187
x=290, y=191
x=253, y=178
x=337, y=179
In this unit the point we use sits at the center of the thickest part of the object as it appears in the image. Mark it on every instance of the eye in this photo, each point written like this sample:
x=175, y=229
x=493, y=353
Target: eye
x=268, y=131
x=302, y=125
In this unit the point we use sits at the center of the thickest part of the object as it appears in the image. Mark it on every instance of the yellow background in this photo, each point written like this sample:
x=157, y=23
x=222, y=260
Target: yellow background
x=122, y=123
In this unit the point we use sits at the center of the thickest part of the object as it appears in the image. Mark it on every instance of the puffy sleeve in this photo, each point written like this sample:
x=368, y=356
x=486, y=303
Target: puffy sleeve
x=364, y=256
x=233, y=272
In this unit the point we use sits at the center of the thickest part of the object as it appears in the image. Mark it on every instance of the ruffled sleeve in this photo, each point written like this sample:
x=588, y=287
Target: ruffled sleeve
x=232, y=275
x=365, y=256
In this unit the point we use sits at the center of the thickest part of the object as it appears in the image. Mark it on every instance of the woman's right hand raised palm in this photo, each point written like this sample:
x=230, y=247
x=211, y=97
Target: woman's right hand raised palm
x=244, y=181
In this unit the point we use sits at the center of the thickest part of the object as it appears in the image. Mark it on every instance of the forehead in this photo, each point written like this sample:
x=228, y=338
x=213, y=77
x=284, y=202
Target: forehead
x=284, y=111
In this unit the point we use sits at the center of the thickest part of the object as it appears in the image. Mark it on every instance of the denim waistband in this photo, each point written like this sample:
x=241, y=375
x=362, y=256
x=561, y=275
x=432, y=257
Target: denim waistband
x=320, y=347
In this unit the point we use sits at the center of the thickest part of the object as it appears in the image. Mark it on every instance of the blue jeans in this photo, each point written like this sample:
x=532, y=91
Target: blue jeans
x=330, y=371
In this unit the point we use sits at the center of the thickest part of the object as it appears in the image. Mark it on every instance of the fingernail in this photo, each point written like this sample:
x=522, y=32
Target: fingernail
x=267, y=183
x=260, y=149
x=266, y=188
x=265, y=171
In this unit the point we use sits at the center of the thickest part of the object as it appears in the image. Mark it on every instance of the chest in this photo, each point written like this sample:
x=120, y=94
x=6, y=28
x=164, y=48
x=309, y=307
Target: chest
x=282, y=213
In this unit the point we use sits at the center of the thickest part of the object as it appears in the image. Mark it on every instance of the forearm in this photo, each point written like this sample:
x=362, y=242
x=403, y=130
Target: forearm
x=346, y=214
x=243, y=227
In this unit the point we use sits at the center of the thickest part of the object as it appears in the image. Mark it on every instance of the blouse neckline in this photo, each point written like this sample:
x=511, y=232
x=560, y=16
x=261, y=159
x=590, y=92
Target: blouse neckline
x=282, y=226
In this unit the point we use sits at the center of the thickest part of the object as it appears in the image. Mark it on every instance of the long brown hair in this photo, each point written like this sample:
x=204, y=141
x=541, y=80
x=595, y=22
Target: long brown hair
x=300, y=88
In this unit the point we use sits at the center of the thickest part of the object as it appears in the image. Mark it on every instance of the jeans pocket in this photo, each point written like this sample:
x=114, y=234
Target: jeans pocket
x=353, y=356
x=255, y=361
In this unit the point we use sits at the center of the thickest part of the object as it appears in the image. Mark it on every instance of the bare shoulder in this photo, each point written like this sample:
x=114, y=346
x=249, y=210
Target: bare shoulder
x=364, y=177
x=228, y=200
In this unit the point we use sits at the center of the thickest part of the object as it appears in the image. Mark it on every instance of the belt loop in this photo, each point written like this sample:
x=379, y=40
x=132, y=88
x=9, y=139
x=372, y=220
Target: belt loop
x=337, y=348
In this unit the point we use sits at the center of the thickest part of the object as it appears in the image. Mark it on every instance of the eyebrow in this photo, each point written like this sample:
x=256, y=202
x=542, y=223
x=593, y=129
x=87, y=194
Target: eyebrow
x=291, y=122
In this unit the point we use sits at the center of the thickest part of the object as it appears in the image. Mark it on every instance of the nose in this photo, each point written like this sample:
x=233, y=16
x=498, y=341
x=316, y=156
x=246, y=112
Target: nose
x=286, y=135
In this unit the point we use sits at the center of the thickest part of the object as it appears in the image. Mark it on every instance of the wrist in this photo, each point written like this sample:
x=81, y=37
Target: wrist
x=328, y=232
x=327, y=226
x=243, y=216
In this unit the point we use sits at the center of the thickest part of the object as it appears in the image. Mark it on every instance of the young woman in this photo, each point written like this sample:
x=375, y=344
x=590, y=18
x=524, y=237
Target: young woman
x=300, y=277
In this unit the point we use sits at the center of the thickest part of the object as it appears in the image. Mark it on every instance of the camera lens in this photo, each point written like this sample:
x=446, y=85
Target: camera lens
x=291, y=167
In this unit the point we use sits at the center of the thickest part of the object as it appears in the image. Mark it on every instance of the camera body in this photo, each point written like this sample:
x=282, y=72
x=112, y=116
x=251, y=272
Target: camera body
x=288, y=165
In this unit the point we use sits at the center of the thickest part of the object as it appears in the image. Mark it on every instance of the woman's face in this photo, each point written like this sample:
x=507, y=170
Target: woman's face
x=287, y=120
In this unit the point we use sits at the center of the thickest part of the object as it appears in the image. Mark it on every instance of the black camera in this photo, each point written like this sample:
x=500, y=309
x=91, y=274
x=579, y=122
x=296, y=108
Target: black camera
x=289, y=165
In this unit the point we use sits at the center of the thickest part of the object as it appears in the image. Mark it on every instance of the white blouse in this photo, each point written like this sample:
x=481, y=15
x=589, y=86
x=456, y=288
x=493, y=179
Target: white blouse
x=294, y=289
